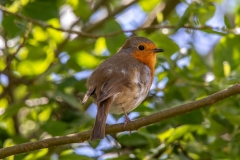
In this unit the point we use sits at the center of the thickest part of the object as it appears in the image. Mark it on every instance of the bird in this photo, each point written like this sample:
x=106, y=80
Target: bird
x=120, y=83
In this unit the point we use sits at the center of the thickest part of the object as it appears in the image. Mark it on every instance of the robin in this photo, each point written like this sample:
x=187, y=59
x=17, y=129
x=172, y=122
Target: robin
x=122, y=82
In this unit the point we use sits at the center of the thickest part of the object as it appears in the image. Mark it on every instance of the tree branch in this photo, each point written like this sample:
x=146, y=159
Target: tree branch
x=94, y=35
x=133, y=125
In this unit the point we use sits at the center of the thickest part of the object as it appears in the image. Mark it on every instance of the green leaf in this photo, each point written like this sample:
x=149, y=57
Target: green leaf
x=227, y=51
x=3, y=136
x=74, y=156
x=69, y=99
x=232, y=118
x=194, y=117
x=186, y=16
x=115, y=42
x=205, y=12
x=12, y=26
x=142, y=108
x=73, y=64
x=218, y=125
x=41, y=9
x=237, y=18
x=66, y=82
x=135, y=139
x=4, y=2
x=164, y=42
x=85, y=12
x=227, y=22
x=55, y=128
x=198, y=66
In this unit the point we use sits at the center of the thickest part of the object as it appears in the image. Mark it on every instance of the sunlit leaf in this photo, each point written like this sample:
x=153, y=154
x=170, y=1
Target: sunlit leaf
x=149, y=5
x=36, y=154
x=20, y=91
x=86, y=60
x=100, y=45
x=226, y=68
x=54, y=35
x=237, y=18
x=2, y=63
x=8, y=143
x=168, y=133
x=180, y=132
x=39, y=34
x=35, y=65
x=45, y=114
x=10, y=126
x=3, y=103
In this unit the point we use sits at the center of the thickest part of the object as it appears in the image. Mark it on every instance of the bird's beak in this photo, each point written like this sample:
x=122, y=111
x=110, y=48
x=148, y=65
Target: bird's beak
x=158, y=50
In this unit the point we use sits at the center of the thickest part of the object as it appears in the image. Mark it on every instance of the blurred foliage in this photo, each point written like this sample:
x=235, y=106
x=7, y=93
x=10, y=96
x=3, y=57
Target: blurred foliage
x=43, y=73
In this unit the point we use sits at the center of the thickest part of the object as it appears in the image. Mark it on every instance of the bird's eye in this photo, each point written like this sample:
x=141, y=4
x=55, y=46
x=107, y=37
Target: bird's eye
x=141, y=47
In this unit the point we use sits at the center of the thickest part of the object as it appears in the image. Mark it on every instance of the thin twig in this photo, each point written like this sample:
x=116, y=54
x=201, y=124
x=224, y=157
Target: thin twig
x=29, y=27
x=12, y=56
x=133, y=125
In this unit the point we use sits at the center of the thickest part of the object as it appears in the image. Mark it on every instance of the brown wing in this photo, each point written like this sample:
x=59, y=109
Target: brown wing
x=111, y=87
x=101, y=90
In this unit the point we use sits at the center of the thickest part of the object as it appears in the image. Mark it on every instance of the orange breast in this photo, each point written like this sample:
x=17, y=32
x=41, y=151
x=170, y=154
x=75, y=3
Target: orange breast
x=148, y=58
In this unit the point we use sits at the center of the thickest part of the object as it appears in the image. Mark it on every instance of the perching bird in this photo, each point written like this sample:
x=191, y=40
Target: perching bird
x=122, y=82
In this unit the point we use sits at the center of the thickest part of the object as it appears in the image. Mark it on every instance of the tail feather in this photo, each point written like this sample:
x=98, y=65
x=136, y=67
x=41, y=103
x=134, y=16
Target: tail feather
x=98, y=131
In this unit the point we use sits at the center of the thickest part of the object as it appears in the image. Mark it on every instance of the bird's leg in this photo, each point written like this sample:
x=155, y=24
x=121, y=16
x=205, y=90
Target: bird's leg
x=127, y=119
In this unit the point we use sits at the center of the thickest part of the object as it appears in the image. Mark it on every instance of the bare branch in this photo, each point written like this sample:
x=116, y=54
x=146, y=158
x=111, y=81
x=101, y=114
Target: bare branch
x=134, y=125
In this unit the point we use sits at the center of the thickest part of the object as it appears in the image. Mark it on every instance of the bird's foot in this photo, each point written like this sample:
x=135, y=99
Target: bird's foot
x=127, y=120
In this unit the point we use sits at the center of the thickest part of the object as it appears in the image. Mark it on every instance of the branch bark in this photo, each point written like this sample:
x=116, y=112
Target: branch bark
x=133, y=125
